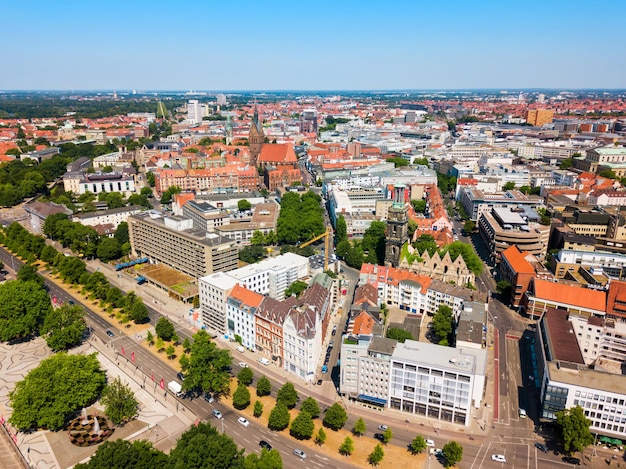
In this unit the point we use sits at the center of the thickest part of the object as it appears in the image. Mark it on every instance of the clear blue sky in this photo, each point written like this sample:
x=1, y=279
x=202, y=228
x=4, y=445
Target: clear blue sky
x=312, y=45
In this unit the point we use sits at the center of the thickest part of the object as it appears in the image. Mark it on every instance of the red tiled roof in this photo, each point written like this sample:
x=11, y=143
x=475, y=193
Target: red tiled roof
x=363, y=324
x=517, y=260
x=570, y=295
x=282, y=153
x=247, y=297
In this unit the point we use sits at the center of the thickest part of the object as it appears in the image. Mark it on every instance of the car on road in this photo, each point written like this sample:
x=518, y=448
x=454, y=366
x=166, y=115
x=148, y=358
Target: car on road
x=383, y=427
x=379, y=436
x=571, y=460
x=319, y=382
x=243, y=421
x=331, y=344
x=430, y=443
x=243, y=364
x=324, y=369
x=265, y=445
x=334, y=329
x=264, y=361
x=301, y=454
x=240, y=349
x=541, y=447
x=180, y=376
x=110, y=333
x=498, y=457
x=217, y=414
x=207, y=397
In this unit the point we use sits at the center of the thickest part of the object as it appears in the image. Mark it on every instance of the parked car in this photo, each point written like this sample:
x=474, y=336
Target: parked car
x=243, y=364
x=331, y=344
x=264, y=361
x=180, y=376
x=498, y=457
x=265, y=445
x=571, y=460
x=324, y=369
x=430, y=443
x=240, y=349
x=217, y=414
x=319, y=382
x=243, y=421
x=207, y=397
x=541, y=447
x=383, y=427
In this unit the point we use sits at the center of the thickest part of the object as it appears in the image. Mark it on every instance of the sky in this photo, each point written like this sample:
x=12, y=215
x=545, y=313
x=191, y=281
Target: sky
x=312, y=45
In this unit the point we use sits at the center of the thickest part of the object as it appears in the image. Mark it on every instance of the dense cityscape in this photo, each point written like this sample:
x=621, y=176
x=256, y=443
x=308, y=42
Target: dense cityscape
x=269, y=279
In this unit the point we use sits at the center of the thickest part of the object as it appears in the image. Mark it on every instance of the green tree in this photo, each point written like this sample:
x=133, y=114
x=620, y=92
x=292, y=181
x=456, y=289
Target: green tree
x=399, y=334
x=241, y=397
x=302, y=426
x=374, y=241
x=29, y=273
x=442, y=324
x=263, y=387
x=320, y=438
x=287, y=395
x=341, y=230
x=335, y=417
x=166, y=198
x=170, y=351
x=245, y=376
x=279, y=417
x=23, y=309
x=149, y=338
x=472, y=261
x=266, y=460
x=186, y=345
x=122, y=454
x=359, y=427
x=208, y=366
x=64, y=327
x=574, y=429
x=504, y=288
x=138, y=312
x=252, y=254
x=109, y=249
x=121, y=233
x=311, y=406
x=419, y=205
x=347, y=447
x=296, y=288
x=508, y=186
x=119, y=401
x=164, y=328
x=469, y=226
x=160, y=344
x=202, y=446
x=376, y=456
x=258, y=238
x=258, y=408
x=387, y=435
x=566, y=163
x=452, y=453
x=57, y=388
x=243, y=205
x=417, y=445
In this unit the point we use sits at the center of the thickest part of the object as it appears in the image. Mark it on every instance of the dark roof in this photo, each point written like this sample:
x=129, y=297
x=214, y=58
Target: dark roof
x=559, y=332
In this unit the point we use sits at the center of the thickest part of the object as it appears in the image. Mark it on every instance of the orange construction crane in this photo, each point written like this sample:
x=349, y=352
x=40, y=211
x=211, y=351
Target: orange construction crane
x=327, y=235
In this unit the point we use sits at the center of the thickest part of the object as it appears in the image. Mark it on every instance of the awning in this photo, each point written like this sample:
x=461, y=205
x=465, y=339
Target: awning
x=612, y=441
x=373, y=400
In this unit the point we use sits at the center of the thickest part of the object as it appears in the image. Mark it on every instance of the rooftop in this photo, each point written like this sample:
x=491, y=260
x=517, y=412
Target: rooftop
x=462, y=360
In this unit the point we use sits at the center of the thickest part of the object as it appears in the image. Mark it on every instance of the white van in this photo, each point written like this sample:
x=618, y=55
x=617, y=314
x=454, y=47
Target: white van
x=264, y=361
x=522, y=414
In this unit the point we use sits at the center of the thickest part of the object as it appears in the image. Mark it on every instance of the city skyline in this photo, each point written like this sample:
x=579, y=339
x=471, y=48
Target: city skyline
x=328, y=46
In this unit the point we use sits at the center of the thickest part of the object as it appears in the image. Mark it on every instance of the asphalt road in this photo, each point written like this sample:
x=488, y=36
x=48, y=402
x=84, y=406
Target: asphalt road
x=146, y=365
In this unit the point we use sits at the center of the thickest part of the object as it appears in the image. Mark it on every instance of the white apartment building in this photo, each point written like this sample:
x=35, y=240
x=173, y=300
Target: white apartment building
x=454, y=296
x=241, y=308
x=565, y=381
x=113, y=216
x=103, y=182
x=269, y=277
x=302, y=342
x=194, y=111
x=436, y=381
x=600, y=337
x=614, y=265
x=364, y=373
x=110, y=159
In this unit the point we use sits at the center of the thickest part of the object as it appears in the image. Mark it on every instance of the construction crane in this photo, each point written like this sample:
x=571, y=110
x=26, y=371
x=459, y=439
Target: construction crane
x=328, y=235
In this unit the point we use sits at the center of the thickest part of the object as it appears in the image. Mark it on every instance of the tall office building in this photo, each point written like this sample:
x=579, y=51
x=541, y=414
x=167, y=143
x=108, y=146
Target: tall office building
x=194, y=111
